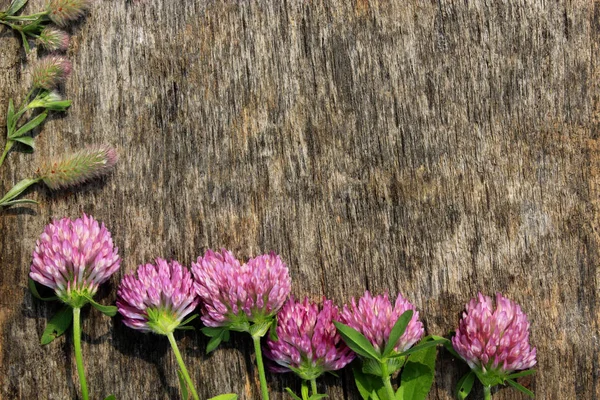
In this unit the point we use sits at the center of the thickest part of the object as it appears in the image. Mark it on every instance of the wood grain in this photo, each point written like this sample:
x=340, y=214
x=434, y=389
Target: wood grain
x=432, y=148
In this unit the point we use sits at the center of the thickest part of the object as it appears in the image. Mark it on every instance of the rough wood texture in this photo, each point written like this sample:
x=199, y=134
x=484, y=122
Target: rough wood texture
x=432, y=148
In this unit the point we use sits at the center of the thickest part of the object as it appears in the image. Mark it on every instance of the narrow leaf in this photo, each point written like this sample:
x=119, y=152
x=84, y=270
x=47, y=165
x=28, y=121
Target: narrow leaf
x=418, y=374
x=57, y=325
x=527, y=372
x=15, y=6
x=30, y=125
x=397, y=332
x=318, y=396
x=183, y=386
x=26, y=140
x=18, y=189
x=357, y=341
x=464, y=385
x=520, y=387
x=419, y=347
x=111, y=397
x=18, y=201
x=111, y=311
x=187, y=321
x=185, y=328
x=226, y=396
x=292, y=394
x=36, y=294
x=10, y=114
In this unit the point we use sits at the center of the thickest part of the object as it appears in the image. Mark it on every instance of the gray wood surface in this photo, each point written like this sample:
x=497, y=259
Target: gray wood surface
x=434, y=148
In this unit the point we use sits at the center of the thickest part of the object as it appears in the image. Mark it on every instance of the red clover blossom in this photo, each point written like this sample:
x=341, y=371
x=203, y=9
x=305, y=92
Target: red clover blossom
x=74, y=258
x=375, y=317
x=233, y=295
x=494, y=342
x=158, y=299
x=307, y=340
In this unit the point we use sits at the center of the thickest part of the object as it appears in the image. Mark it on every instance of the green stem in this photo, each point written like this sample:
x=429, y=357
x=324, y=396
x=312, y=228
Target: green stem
x=313, y=386
x=487, y=392
x=182, y=365
x=385, y=376
x=261, y=368
x=78, y=357
x=9, y=145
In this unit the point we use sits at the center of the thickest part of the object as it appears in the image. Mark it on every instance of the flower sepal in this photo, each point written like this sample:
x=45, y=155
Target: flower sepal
x=161, y=321
x=260, y=329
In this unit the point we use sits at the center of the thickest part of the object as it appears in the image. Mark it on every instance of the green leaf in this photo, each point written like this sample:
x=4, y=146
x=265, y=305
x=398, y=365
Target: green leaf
x=190, y=319
x=527, y=372
x=292, y=394
x=32, y=124
x=419, y=347
x=18, y=189
x=10, y=114
x=318, y=396
x=520, y=387
x=357, y=341
x=185, y=328
x=25, y=42
x=418, y=374
x=183, y=386
x=57, y=325
x=212, y=332
x=111, y=311
x=15, y=6
x=36, y=294
x=213, y=343
x=273, y=332
x=397, y=331
x=18, y=201
x=366, y=384
x=26, y=140
x=61, y=105
x=464, y=385
x=226, y=396
x=111, y=397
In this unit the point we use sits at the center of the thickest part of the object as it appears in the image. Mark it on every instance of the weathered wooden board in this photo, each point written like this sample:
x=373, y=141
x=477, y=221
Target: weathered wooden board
x=434, y=148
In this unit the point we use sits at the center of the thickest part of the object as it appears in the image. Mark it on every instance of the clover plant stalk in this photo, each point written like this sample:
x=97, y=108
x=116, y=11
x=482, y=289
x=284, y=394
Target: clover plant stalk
x=487, y=392
x=184, y=371
x=313, y=386
x=385, y=375
x=261, y=367
x=78, y=356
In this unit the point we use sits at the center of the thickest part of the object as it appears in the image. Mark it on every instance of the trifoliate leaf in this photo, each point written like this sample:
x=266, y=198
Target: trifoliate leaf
x=417, y=375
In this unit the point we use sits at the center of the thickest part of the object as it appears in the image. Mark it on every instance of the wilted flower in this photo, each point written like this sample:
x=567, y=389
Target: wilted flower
x=375, y=317
x=53, y=39
x=50, y=71
x=61, y=12
x=307, y=340
x=74, y=258
x=494, y=342
x=234, y=295
x=79, y=167
x=159, y=298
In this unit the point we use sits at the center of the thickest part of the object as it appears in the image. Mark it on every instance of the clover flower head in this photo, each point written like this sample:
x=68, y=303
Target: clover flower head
x=79, y=167
x=53, y=39
x=307, y=340
x=494, y=342
x=375, y=317
x=50, y=71
x=74, y=258
x=61, y=12
x=234, y=295
x=157, y=299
